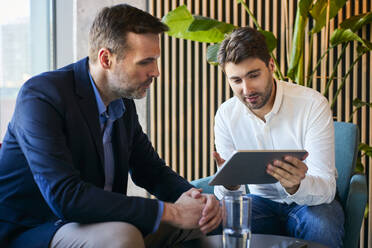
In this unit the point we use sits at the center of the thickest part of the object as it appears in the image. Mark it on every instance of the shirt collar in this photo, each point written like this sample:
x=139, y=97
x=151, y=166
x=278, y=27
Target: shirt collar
x=278, y=97
x=116, y=108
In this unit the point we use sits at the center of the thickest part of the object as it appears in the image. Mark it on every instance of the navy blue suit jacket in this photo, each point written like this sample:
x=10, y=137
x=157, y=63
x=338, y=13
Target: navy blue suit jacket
x=51, y=163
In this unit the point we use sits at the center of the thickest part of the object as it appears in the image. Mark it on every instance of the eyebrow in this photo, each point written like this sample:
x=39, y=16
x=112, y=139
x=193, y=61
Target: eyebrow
x=250, y=72
x=149, y=59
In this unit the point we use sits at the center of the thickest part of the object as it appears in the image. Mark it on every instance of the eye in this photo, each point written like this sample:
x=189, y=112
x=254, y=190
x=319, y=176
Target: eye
x=144, y=62
x=254, y=75
x=236, y=81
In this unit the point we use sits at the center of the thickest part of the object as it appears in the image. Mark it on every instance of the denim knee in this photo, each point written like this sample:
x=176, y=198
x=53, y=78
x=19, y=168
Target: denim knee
x=323, y=223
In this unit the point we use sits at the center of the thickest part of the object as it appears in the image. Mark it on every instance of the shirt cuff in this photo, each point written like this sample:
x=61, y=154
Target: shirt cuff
x=300, y=195
x=160, y=214
x=220, y=191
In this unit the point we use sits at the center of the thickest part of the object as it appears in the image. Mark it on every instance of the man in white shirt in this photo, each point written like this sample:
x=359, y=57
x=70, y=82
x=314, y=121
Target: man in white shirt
x=276, y=115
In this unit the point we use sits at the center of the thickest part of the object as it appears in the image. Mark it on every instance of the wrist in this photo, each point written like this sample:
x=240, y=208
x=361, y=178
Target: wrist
x=232, y=187
x=292, y=190
x=169, y=213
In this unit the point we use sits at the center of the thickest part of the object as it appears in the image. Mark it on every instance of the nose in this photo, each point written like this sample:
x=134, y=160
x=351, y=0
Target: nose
x=155, y=71
x=245, y=88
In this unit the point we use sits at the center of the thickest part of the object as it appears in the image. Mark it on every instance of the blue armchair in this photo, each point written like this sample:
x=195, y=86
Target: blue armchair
x=351, y=189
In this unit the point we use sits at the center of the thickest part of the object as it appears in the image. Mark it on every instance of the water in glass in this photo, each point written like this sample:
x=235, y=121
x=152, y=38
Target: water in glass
x=236, y=238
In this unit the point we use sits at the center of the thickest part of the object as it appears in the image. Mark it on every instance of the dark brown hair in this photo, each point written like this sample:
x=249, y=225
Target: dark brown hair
x=241, y=44
x=111, y=25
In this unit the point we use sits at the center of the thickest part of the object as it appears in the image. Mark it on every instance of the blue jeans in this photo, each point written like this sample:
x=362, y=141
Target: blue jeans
x=323, y=223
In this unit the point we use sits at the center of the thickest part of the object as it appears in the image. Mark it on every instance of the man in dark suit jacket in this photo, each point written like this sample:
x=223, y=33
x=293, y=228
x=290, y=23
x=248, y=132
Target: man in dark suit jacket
x=74, y=137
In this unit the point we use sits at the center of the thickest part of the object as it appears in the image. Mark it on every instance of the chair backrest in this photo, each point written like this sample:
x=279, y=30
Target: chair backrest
x=346, y=151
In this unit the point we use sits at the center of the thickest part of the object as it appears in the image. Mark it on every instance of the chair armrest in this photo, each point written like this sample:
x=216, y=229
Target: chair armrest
x=203, y=184
x=354, y=209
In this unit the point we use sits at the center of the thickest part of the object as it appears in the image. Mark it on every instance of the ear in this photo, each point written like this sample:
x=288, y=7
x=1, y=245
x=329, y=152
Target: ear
x=271, y=65
x=105, y=58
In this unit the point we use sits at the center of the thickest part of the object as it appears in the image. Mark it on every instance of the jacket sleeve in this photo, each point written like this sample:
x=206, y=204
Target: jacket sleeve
x=38, y=125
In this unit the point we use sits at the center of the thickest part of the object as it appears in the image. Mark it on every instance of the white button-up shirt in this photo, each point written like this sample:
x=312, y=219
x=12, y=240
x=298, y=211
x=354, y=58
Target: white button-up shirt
x=300, y=119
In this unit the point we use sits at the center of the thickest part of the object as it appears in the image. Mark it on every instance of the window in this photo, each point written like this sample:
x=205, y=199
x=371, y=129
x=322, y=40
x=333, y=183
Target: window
x=25, y=49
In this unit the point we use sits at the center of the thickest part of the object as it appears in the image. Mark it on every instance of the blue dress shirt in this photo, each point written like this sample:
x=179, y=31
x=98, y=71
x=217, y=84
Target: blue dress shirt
x=107, y=116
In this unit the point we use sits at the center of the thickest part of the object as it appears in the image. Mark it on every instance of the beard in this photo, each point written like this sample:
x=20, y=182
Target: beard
x=260, y=99
x=130, y=91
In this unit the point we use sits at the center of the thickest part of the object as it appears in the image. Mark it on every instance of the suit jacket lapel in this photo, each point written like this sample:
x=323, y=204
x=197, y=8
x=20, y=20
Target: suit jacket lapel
x=88, y=105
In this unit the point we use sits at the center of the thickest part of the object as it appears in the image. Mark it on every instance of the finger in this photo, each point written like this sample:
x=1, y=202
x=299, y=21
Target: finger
x=218, y=158
x=211, y=204
x=296, y=162
x=305, y=156
x=192, y=191
x=282, y=176
x=213, y=223
x=290, y=169
x=196, y=193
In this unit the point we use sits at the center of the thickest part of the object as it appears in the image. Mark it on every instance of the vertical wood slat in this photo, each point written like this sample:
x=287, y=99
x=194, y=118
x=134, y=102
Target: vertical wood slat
x=167, y=129
x=275, y=27
x=181, y=108
x=339, y=72
x=197, y=83
x=204, y=104
x=355, y=68
x=228, y=19
x=219, y=75
x=364, y=113
x=259, y=12
x=159, y=96
x=347, y=65
x=251, y=7
x=152, y=94
x=370, y=159
x=284, y=39
x=189, y=106
x=315, y=56
x=330, y=64
x=174, y=82
x=290, y=22
x=212, y=98
x=365, y=124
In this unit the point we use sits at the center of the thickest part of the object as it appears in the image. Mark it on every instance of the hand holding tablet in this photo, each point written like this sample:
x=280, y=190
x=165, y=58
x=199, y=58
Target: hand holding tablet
x=249, y=166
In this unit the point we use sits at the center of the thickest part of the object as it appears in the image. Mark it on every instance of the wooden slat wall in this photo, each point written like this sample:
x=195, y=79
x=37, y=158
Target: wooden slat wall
x=184, y=99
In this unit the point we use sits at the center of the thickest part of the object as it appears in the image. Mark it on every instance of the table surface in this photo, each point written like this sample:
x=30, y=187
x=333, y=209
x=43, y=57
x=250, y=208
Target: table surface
x=258, y=240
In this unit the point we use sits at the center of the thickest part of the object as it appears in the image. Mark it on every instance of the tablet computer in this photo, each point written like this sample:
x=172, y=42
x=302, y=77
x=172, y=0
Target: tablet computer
x=249, y=166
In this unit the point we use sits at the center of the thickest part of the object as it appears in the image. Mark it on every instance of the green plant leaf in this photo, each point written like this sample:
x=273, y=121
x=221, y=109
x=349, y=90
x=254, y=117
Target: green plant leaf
x=365, y=47
x=297, y=49
x=359, y=103
x=359, y=167
x=319, y=12
x=340, y=36
x=366, y=211
x=212, y=51
x=357, y=22
x=270, y=39
x=305, y=6
x=202, y=23
x=180, y=19
x=366, y=149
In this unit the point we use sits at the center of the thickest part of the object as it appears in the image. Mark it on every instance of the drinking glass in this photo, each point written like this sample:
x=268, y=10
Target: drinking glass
x=236, y=223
